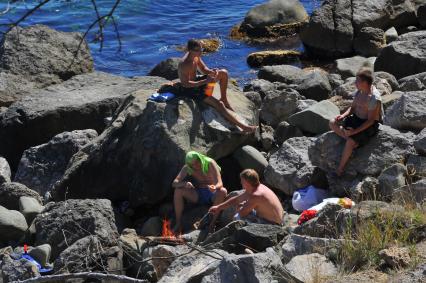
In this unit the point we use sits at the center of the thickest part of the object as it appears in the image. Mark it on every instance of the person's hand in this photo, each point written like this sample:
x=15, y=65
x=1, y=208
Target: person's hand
x=212, y=188
x=211, y=79
x=214, y=209
x=348, y=132
x=189, y=185
x=338, y=118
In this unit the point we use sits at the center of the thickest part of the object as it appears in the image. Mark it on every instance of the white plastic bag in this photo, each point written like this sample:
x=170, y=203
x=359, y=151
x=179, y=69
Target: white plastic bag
x=307, y=197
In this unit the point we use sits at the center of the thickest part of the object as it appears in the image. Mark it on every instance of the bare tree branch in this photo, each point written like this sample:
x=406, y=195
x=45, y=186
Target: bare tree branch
x=26, y=15
x=83, y=275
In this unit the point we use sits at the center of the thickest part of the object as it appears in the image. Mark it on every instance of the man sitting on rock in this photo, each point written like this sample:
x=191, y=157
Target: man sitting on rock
x=256, y=204
x=361, y=121
x=200, y=182
x=194, y=86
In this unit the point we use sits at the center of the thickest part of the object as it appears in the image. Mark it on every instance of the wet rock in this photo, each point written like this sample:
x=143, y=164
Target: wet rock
x=29, y=207
x=408, y=112
x=285, y=131
x=79, y=103
x=396, y=257
x=42, y=166
x=348, y=67
x=63, y=223
x=420, y=142
x=250, y=158
x=158, y=135
x=391, y=179
x=12, y=225
x=391, y=35
x=5, y=173
x=389, y=146
x=307, y=268
x=167, y=69
x=402, y=57
x=290, y=168
x=55, y=52
x=275, y=57
x=277, y=106
x=369, y=41
x=316, y=118
x=16, y=270
x=10, y=193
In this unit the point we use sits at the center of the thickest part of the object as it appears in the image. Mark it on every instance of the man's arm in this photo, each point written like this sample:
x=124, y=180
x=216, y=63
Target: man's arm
x=186, y=82
x=372, y=117
x=248, y=206
x=230, y=202
x=216, y=175
x=178, y=181
x=204, y=69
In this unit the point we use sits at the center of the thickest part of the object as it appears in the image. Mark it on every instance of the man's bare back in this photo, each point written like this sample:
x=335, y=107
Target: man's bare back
x=267, y=204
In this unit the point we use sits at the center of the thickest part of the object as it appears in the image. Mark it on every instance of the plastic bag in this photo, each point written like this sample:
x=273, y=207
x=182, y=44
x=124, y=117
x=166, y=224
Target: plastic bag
x=307, y=197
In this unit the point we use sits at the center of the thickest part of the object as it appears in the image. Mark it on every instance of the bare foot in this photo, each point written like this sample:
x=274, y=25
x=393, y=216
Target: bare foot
x=227, y=105
x=249, y=129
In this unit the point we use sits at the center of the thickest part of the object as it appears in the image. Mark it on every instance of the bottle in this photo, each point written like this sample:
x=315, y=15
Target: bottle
x=209, y=89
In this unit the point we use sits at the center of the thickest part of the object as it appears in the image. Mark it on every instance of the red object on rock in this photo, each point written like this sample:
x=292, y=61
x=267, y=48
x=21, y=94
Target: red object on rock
x=25, y=248
x=307, y=215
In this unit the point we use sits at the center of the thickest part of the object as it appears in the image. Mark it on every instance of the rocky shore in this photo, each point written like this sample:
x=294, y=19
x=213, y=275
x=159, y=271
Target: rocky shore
x=86, y=161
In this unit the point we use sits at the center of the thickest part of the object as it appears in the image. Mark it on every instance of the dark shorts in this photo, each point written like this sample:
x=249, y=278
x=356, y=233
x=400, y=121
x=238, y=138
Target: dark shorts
x=205, y=196
x=196, y=93
x=363, y=137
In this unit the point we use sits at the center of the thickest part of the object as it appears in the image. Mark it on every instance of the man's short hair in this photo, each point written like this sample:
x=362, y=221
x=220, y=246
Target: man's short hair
x=193, y=44
x=250, y=176
x=366, y=75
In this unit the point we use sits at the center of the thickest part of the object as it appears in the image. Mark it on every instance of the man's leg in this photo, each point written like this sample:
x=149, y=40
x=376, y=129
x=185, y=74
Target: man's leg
x=220, y=107
x=335, y=127
x=223, y=78
x=218, y=198
x=179, y=196
x=347, y=152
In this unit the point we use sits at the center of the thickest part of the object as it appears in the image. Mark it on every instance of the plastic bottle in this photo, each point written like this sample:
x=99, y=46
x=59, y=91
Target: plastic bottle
x=209, y=89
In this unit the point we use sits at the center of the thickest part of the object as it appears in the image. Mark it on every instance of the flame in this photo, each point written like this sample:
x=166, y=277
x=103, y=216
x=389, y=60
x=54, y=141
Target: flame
x=167, y=231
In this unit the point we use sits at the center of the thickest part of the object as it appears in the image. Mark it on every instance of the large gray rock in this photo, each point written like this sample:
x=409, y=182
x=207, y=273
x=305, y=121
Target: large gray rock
x=392, y=179
x=408, y=112
x=413, y=193
x=5, y=173
x=259, y=236
x=29, y=207
x=13, y=87
x=420, y=142
x=272, y=13
x=10, y=193
x=12, y=225
x=63, y=223
x=311, y=267
x=404, y=56
x=285, y=131
x=42, y=166
x=413, y=83
x=167, y=69
x=55, y=51
x=316, y=118
x=281, y=73
x=348, y=67
x=289, y=168
x=41, y=254
x=250, y=158
x=260, y=85
x=12, y=270
x=79, y=103
x=149, y=141
x=219, y=266
x=278, y=105
x=389, y=146
x=369, y=41
x=315, y=85
x=417, y=164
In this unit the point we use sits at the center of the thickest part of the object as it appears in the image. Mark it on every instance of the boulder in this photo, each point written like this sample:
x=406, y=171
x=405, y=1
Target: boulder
x=5, y=173
x=304, y=104
x=10, y=193
x=413, y=82
x=414, y=193
x=12, y=225
x=345, y=91
x=365, y=189
x=13, y=87
x=250, y=158
x=60, y=55
x=278, y=105
x=218, y=266
x=417, y=165
x=254, y=97
x=17, y=270
x=41, y=254
x=261, y=86
x=392, y=179
x=97, y=256
x=259, y=236
x=403, y=57
x=43, y=165
x=267, y=137
x=420, y=142
x=391, y=35
x=389, y=146
x=167, y=69
x=315, y=85
x=421, y=15
x=274, y=57
x=285, y=131
x=389, y=78
x=369, y=41
x=149, y=141
x=348, y=67
x=289, y=168
x=335, y=80
x=367, y=210
x=281, y=73
x=311, y=267
x=408, y=112
x=396, y=257
x=29, y=207
x=152, y=227
x=273, y=18
x=82, y=102
x=316, y=118
x=63, y=223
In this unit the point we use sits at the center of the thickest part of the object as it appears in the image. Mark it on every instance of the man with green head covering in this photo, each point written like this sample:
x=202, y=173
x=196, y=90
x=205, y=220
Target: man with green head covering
x=199, y=181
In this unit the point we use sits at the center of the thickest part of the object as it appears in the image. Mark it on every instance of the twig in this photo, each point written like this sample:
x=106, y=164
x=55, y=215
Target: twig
x=84, y=275
x=27, y=14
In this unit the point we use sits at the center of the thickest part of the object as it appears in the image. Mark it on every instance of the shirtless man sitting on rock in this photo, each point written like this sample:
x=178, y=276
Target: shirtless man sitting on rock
x=206, y=187
x=193, y=86
x=257, y=203
x=361, y=121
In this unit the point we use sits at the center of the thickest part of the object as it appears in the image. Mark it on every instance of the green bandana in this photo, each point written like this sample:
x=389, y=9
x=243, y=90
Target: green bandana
x=205, y=161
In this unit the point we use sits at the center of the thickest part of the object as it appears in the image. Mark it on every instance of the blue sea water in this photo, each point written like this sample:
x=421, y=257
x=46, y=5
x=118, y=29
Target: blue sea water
x=151, y=30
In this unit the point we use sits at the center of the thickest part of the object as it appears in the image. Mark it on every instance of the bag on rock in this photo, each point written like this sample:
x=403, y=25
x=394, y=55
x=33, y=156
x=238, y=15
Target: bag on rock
x=307, y=197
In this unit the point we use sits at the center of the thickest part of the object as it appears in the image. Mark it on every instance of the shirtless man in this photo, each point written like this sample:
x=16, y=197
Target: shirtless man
x=206, y=188
x=193, y=86
x=257, y=203
x=361, y=120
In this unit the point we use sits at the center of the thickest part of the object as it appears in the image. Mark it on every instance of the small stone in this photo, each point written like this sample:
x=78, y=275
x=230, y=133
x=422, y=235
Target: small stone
x=396, y=257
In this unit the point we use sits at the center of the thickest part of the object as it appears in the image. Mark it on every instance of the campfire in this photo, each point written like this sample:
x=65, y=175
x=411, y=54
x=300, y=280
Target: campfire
x=168, y=237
